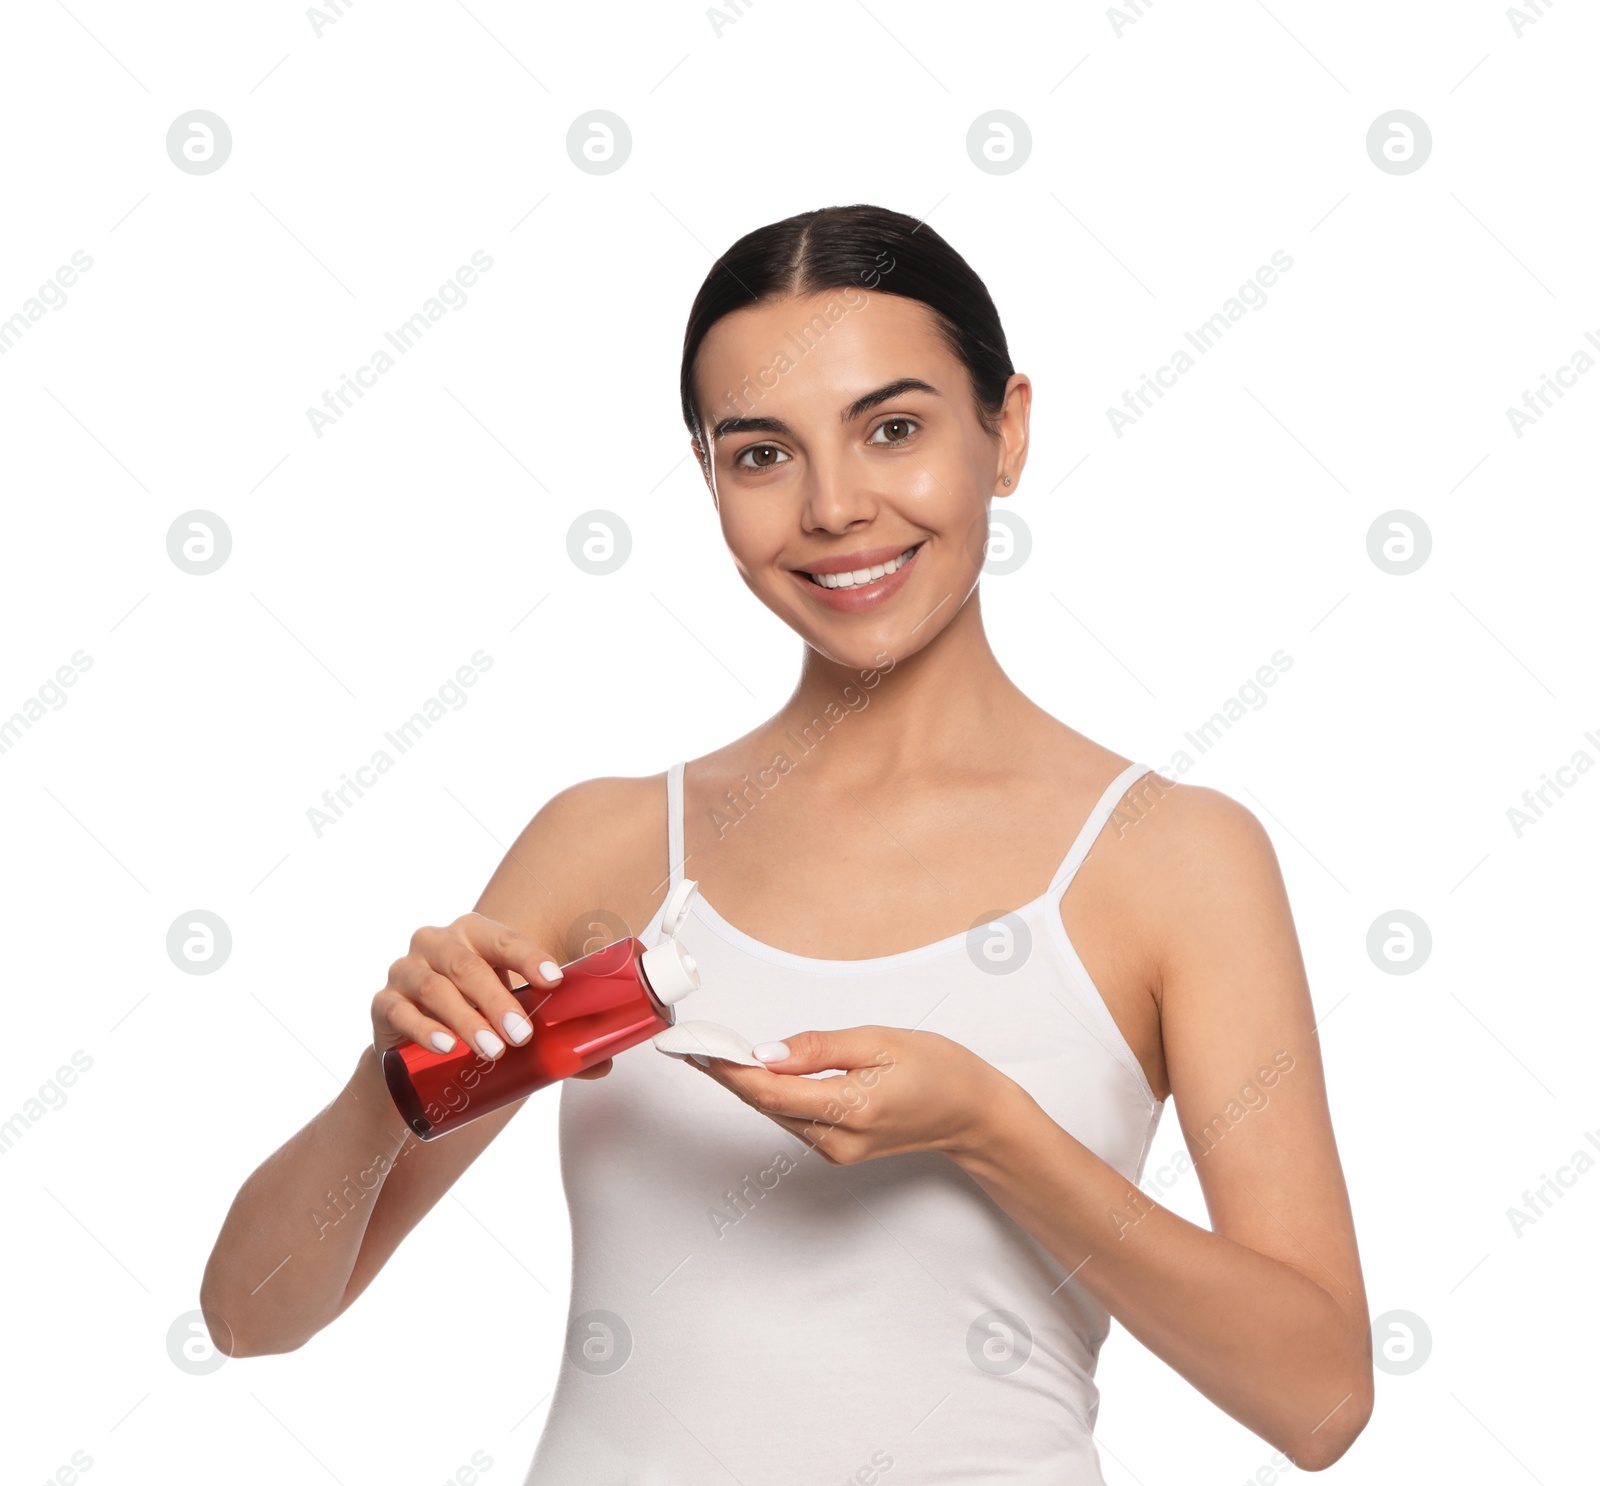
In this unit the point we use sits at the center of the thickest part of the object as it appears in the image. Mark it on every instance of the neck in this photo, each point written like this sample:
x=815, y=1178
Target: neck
x=940, y=706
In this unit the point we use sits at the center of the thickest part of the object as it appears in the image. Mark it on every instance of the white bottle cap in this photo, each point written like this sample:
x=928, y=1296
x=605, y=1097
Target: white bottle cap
x=669, y=967
x=675, y=911
x=671, y=971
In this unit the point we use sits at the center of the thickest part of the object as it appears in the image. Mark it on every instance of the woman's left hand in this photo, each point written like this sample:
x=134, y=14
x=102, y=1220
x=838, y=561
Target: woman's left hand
x=900, y=1090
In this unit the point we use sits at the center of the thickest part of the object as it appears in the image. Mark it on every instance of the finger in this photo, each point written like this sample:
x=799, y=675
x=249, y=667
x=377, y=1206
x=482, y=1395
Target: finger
x=814, y=1135
x=513, y=981
x=453, y=957
x=844, y=1049
x=410, y=1021
x=779, y=1096
x=779, y=1091
x=440, y=998
x=500, y=944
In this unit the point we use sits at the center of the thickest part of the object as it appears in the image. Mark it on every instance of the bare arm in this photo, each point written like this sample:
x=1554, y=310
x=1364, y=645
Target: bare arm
x=290, y=1256
x=317, y=1220
x=1266, y=1313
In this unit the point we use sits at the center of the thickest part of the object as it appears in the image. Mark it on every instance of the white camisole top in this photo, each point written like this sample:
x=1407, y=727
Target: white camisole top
x=743, y=1311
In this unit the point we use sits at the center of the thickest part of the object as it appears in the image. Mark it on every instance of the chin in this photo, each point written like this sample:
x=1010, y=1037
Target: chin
x=863, y=646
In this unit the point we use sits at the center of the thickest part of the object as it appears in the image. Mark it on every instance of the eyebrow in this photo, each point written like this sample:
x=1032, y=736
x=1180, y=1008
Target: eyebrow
x=729, y=426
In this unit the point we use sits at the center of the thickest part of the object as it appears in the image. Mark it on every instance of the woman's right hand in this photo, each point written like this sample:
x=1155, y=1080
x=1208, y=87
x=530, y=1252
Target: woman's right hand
x=455, y=985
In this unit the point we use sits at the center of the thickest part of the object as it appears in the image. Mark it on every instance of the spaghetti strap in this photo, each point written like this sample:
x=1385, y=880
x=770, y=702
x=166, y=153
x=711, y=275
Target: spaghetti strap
x=675, y=825
x=1091, y=828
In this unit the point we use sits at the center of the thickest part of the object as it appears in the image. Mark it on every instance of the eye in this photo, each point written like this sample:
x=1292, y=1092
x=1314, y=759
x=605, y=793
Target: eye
x=897, y=431
x=766, y=456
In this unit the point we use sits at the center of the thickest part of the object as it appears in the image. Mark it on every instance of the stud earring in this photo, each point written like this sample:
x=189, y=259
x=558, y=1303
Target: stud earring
x=1008, y=479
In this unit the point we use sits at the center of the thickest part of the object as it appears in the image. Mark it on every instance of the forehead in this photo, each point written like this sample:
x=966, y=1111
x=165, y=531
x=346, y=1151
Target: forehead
x=834, y=344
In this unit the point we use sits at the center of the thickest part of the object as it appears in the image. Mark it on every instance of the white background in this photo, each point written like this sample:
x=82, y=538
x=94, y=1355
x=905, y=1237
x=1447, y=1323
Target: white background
x=1171, y=156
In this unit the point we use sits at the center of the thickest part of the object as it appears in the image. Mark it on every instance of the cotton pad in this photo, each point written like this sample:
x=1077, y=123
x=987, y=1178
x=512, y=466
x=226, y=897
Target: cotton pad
x=708, y=1040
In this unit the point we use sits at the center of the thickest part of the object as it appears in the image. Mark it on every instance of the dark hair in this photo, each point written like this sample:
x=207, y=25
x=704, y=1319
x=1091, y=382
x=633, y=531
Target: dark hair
x=865, y=247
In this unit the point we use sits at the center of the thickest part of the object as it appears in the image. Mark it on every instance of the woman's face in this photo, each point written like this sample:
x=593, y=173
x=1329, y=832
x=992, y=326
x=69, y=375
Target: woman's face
x=843, y=436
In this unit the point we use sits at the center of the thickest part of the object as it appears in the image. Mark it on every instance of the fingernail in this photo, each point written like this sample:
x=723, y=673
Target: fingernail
x=550, y=970
x=491, y=1045
x=771, y=1052
x=443, y=1041
x=698, y=1059
x=517, y=1026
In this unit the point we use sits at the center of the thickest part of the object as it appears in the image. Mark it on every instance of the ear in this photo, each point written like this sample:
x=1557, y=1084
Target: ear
x=1013, y=451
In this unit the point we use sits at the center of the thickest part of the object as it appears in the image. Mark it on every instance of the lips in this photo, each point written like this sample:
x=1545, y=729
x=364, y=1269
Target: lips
x=863, y=574
x=861, y=580
x=862, y=566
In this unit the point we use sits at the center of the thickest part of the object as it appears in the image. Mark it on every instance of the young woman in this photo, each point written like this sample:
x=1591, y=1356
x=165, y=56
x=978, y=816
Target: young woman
x=986, y=947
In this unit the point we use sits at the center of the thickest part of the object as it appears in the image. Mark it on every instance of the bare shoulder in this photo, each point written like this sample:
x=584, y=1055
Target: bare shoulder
x=1196, y=827
x=1194, y=858
x=592, y=859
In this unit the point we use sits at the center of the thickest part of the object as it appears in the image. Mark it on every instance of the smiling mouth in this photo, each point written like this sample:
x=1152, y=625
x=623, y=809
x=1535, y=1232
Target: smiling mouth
x=862, y=577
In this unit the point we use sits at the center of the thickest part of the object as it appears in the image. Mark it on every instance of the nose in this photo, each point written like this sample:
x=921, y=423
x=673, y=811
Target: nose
x=836, y=498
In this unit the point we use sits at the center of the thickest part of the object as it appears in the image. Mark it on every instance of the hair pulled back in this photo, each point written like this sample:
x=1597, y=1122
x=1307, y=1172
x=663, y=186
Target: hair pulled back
x=861, y=247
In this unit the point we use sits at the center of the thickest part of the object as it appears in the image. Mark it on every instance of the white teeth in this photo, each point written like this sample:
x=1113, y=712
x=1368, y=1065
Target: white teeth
x=862, y=575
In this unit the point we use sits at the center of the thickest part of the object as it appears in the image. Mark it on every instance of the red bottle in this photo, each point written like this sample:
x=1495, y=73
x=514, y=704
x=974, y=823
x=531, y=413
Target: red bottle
x=606, y=1002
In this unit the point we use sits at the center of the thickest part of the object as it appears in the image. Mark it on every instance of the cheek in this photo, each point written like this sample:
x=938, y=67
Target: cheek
x=943, y=474
x=943, y=489
x=937, y=495
x=754, y=534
